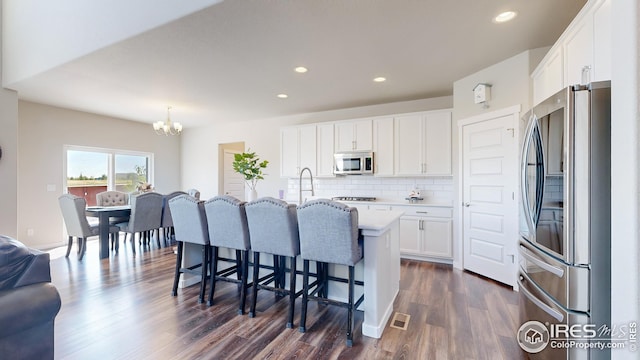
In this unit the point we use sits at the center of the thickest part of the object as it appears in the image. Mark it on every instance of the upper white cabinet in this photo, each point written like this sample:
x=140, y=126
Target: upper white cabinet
x=414, y=144
x=353, y=136
x=602, y=42
x=423, y=144
x=324, y=150
x=578, y=48
x=383, y=146
x=297, y=150
x=581, y=55
x=548, y=78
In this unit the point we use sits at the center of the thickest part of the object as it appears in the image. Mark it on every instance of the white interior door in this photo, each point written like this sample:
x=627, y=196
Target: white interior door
x=233, y=182
x=489, y=185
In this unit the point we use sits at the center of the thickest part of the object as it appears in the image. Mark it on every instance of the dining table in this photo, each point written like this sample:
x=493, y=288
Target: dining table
x=104, y=214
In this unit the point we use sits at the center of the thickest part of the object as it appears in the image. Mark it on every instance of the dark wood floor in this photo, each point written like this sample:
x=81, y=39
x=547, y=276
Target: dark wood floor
x=121, y=308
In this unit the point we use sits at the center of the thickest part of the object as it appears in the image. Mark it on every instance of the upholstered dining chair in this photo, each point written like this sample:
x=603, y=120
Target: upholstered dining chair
x=112, y=198
x=146, y=216
x=73, y=212
x=190, y=224
x=227, y=222
x=273, y=229
x=329, y=234
x=167, y=220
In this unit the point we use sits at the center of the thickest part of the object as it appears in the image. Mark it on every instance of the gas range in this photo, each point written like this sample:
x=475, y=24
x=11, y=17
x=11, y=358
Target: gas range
x=354, y=198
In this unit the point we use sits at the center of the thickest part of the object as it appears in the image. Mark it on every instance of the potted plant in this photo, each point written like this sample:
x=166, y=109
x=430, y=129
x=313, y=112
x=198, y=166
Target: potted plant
x=248, y=164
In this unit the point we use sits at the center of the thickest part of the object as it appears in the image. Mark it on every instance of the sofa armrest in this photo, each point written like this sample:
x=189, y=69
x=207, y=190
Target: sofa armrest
x=27, y=306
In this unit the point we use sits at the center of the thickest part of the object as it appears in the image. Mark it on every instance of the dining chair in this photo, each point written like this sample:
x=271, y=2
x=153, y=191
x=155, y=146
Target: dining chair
x=329, y=234
x=146, y=215
x=227, y=223
x=167, y=220
x=190, y=224
x=73, y=212
x=112, y=198
x=194, y=192
x=273, y=229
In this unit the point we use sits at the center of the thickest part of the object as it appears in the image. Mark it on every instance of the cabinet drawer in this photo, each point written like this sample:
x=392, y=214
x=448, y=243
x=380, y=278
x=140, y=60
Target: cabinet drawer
x=425, y=211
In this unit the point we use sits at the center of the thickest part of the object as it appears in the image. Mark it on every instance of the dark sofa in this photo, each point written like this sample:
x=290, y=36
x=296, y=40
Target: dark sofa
x=29, y=302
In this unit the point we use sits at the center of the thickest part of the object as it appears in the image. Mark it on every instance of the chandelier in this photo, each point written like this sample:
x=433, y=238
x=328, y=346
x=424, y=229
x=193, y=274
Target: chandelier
x=167, y=127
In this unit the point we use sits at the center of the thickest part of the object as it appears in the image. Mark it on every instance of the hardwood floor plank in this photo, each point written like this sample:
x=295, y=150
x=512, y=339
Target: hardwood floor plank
x=122, y=308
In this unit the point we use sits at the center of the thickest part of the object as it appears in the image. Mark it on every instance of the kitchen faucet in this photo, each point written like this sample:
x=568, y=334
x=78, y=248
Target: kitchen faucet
x=300, y=184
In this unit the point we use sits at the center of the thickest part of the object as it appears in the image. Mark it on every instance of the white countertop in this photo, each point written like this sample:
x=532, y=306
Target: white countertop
x=425, y=202
x=377, y=220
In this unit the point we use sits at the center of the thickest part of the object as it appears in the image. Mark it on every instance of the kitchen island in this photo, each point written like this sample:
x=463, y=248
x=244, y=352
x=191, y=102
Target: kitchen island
x=379, y=270
x=381, y=266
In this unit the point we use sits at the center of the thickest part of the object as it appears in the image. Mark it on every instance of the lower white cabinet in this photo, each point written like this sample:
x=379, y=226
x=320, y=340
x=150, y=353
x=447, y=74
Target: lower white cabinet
x=426, y=233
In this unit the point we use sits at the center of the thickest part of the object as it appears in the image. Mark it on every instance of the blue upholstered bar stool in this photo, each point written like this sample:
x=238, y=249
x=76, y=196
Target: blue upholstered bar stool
x=190, y=225
x=329, y=234
x=228, y=228
x=273, y=229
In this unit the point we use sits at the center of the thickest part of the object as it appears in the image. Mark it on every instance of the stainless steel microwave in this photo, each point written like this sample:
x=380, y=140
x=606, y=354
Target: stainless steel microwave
x=353, y=163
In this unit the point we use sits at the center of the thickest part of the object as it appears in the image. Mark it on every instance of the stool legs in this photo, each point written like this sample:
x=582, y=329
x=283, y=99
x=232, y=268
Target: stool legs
x=205, y=268
x=305, y=296
x=292, y=292
x=350, y=316
x=254, y=288
x=214, y=271
x=243, y=282
x=176, y=276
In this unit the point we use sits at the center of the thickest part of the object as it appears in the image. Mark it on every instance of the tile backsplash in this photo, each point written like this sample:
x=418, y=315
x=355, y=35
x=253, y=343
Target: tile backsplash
x=553, y=188
x=433, y=189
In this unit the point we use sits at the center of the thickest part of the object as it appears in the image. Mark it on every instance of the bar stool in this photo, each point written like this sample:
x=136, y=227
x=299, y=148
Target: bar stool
x=273, y=229
x=227, y=222
x=190, y=224
x=329, y=234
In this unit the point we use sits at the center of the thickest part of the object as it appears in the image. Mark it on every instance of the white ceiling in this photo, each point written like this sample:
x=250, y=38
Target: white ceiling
x=229, y=61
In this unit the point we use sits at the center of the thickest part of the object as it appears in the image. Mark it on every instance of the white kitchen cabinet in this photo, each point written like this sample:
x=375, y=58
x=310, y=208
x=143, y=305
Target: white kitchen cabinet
x=423, y=144
x=578, y=50
x=383, y=146
x=297, y=150
x=324, y=150
x=582, y=53
x=548, y=78
x=602, y=42
x=353, y=135
x=426, y=233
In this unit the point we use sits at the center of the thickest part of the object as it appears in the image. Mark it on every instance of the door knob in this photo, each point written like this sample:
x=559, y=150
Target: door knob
x=467, y=204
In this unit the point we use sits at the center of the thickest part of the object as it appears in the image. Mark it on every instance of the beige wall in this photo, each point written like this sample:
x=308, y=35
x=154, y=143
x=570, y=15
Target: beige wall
x=43, y=132
x=510, y=80
x=8, y=163
x=200, y=146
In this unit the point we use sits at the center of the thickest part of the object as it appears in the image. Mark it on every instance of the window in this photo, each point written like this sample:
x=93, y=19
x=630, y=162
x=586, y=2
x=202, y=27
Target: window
x=90, y=171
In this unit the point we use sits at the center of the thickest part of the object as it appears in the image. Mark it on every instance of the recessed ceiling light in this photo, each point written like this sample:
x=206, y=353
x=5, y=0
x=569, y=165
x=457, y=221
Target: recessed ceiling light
x=282, y=96
x=301, y=69
x=505, y=16
x=380, y=79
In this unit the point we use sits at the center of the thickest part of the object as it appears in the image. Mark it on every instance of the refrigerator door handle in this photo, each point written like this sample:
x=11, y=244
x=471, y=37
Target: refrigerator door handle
x=548, y=267
x=539, y=303
x=524, y=186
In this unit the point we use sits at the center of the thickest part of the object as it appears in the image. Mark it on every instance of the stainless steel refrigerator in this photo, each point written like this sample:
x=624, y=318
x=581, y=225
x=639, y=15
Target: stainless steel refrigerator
x=565, y=237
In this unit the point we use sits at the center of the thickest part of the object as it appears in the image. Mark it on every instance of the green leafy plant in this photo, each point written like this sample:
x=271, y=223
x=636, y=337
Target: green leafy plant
x=248, y=164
